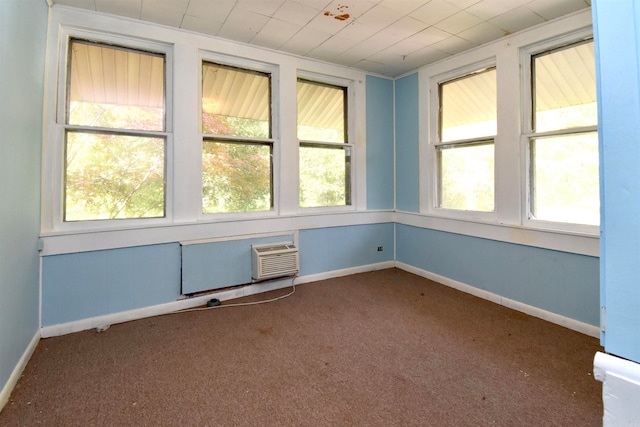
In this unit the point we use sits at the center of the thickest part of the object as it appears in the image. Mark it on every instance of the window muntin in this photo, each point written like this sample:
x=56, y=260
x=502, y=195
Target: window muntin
x=563, y=148
x=115, y=145
x=237, y=151
x=465, y=156
x=325, y=152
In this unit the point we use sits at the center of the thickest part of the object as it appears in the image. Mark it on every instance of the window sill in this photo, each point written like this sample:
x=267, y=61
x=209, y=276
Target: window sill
x=540, y=237
x=84, y=240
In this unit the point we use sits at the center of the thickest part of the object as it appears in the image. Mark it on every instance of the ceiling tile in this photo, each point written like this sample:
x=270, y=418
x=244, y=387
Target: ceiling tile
x=200, y=25
x=453, y=45
x=406, y=27
x=165, y=12
x=129, y=8
x=340, y=42
x=275, y=33
x=487, y=9
x=396, y=52
x=402, y=6
x=426, y=55
x=463, y=4
x=294, y=12
x=216, y=11
x=430, y=36
x=263, y=7
x=550, y=9
x=304, y=41
x=459, y=22
x=347, y=59
x=516, y=20
x=482, y=33
x=315, y=4
x=242, y=25
x=371, y=66
x=434, y=11
x=378, y=17
x=374, y=44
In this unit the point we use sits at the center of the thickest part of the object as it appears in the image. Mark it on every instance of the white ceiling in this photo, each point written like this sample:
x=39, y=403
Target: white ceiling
x=388, y=37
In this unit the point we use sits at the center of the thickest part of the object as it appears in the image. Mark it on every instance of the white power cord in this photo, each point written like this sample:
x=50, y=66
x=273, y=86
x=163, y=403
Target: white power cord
x=240, y=304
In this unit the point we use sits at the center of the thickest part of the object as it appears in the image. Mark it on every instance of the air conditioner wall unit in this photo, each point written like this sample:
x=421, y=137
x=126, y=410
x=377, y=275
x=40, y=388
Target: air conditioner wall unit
x=274, y=260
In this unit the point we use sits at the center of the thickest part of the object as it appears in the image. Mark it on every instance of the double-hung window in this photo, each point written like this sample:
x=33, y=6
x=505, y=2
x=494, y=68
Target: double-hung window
x=237, y=145
x=114, y=133
x=563, y=144
x=325, y=149
x=465, y=145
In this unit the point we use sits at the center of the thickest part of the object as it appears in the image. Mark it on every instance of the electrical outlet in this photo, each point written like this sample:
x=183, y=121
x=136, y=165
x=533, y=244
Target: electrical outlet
x=379, y=248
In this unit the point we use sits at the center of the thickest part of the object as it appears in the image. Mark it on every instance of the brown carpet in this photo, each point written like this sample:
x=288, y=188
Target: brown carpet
x=384, y=348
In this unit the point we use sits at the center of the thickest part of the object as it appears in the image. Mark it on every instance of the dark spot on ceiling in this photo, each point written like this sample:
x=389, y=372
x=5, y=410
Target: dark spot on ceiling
x=339, y=13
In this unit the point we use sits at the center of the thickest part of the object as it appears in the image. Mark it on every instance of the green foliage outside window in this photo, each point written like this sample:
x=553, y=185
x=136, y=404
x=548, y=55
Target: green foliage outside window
x=110, y=176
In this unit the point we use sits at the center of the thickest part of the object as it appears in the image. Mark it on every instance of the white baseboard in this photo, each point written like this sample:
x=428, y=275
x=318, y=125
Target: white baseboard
x=170, y=307
x=160, y=309
x=345, y=272
x=620, y=389
x=17, y=371
x=566, y=322
x=256, y=288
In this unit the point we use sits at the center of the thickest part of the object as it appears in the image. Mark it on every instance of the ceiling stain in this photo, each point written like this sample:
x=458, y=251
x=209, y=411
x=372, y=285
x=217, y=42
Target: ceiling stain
x=339, y=14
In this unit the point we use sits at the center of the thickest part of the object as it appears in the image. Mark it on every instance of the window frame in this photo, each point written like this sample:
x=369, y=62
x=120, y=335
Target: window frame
x=528, y=134
x=248, y=65
x=349, y=145
x=54, y=162
x=430, y=203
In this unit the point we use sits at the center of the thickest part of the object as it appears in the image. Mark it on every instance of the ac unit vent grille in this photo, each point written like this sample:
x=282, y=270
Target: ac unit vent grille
x=276, y=260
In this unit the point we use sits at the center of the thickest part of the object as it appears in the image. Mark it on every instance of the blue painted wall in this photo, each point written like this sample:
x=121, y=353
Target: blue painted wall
x=559, y=282
x=379, y=143
x=23, y=26
x=617, y=34
x=407, y=155
x=88, y=284
x=218, y=265
x=335, y=248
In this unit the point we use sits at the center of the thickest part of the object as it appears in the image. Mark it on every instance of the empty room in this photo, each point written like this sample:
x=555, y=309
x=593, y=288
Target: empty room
x=316, y=212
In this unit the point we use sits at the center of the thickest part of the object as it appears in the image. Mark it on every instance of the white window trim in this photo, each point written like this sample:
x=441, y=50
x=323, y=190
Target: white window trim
x=53, y=153
x=183, y=175
x=526, y=54
x=357, y=161
x=434, y=142
x=509, y=220
x=273, y=71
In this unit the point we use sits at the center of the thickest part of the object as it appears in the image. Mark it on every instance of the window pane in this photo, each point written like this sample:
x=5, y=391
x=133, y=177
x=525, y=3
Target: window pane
x=236, y=177
x=113, y=87
x=565, y=179
x=324, y=177
x=112, y=176
x=469, y=107
x=467, y=177
x=565, y=88
x=235, y=102
x=321, y=112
